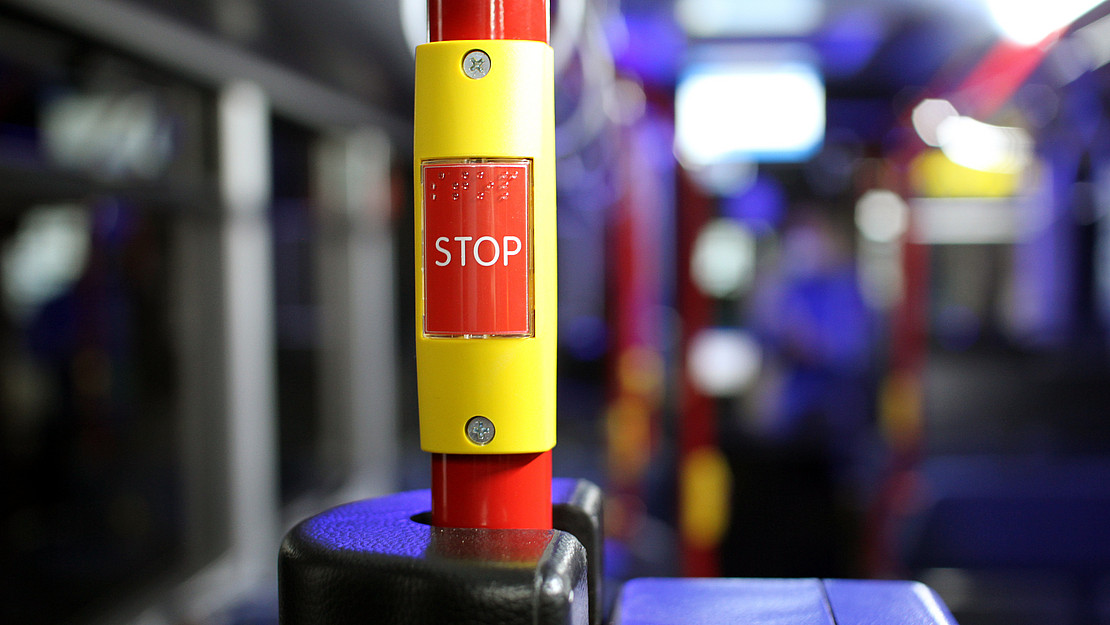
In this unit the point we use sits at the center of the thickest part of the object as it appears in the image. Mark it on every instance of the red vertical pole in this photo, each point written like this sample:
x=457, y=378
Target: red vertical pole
x=698, y=429
x=450, y=20
x=504, y=491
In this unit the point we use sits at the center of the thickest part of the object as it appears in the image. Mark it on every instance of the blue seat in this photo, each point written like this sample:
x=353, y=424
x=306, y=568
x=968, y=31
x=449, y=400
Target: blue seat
x=684, y=601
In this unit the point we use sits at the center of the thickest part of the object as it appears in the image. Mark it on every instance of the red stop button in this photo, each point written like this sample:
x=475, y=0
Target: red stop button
x=477, y=248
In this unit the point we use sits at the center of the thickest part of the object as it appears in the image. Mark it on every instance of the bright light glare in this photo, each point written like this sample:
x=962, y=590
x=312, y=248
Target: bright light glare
x=969, y=142
x=46, y=256
x=723, y=261
x=114, y=136
x=928, y=115
x=948, y=221
x=882, y=216
x=735, y=18
x=773, y=111
x=723, y=362
x=1028, y=22
x=973, y=144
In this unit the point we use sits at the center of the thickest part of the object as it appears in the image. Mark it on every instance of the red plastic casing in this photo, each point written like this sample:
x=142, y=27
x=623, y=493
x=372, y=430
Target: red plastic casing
x=497, y=491
x=477, y=272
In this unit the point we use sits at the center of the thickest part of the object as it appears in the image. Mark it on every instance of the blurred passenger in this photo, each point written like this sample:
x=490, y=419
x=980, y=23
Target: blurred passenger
x=820, y=333
x=805, y=440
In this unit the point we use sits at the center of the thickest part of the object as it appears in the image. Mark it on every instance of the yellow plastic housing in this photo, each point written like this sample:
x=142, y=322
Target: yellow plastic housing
x=508, y=113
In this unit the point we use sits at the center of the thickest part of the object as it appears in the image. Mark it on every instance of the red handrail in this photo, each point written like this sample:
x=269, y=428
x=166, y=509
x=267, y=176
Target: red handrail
x=506, y=491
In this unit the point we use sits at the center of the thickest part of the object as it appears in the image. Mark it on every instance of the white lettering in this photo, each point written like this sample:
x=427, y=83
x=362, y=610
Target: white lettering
x=462, y=249
x=512, y=252
x=446, y=254
x=496, y=251
x=502, y=250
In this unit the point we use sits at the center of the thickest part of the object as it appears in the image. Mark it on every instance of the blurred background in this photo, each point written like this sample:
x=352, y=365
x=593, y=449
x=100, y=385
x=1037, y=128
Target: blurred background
x=834, y=293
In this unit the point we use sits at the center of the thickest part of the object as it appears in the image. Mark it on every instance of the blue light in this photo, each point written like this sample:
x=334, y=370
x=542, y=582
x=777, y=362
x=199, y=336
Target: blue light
x=763, y=107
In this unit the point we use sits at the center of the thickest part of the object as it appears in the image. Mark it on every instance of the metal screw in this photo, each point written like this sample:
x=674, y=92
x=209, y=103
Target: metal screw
x=480, y=430
x=476, y=64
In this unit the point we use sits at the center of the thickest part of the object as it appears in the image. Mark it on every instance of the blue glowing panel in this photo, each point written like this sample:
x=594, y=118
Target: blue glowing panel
x=762, y=110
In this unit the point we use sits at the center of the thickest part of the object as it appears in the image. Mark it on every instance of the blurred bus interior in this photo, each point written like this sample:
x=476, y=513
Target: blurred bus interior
x=834, y=293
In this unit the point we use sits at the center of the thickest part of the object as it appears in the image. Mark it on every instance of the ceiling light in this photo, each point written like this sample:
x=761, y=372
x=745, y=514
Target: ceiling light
x=1028, y=22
